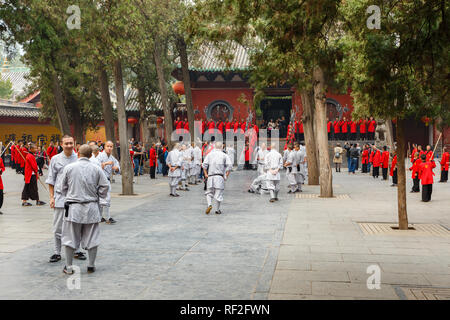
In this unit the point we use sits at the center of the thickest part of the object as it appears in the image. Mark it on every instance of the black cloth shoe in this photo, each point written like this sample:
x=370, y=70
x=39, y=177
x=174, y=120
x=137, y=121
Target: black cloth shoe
x=79, y=255
x=103, y=220
x=1, y=212
x=218, y=212
x=26, y=204
x=290, y=191
x=66, y=271
x=276, y=199
x=40, y=203
x=251, y=191
x=90, y=269
x=55, y=258
x=272, y=200
x=111, y=221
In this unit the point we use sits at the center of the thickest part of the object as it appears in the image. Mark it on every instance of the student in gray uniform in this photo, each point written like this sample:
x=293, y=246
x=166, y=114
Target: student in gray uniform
x=216, y=168
x=291, y=167
x=196, y=163
x=83, y=184
x=109, y=165
x=173, y=161
x=55, y=169
x=300, y=169
x=273, y=164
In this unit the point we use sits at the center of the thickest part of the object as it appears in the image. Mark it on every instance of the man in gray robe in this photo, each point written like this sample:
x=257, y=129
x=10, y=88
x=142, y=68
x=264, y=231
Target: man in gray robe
x=196, y=163
x=216, y=168
x=109, y=165
x=55, y=169
x=83, y=184
x=273, y=165
x=291, y=166
x=300, y=169
x=174, y=162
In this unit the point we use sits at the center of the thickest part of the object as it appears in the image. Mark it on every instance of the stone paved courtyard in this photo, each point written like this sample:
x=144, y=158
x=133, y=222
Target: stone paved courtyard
x=299, y=248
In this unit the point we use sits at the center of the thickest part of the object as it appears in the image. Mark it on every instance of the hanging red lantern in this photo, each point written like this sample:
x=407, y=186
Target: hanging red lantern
x=426, y=120
x=132, y=120
x=159, y=120
x=394, y=121
x=178, y=87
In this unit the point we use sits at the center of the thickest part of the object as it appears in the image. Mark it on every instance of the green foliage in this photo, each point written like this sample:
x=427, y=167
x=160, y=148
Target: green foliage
x=401, y=70
x=5, y=89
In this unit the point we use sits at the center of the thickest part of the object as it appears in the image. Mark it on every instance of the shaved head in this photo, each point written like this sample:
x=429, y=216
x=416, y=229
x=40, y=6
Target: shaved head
x=85, y=151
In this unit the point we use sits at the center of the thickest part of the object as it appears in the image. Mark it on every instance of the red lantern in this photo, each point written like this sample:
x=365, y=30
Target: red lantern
x=132, y=120
x=159, y=120
x=394, y=121
x=426, y=120
x=178, y=87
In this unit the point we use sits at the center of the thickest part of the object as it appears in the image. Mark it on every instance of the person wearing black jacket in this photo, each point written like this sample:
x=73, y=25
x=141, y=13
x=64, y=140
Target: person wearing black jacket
x=347, y=149
x=354, y=156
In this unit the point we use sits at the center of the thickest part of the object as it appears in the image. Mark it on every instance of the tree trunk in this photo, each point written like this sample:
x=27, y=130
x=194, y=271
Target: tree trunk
x=59, y=104
x=125, y=163
x=401, y=174
x=168, y=125
x=107, y=107
x=77, y=123
x=187, y=84
x=390, y=134
x=310, y=139
x=326, y=175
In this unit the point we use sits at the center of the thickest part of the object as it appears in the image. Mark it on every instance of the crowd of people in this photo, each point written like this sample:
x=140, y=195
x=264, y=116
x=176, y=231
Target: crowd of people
x=373, y=158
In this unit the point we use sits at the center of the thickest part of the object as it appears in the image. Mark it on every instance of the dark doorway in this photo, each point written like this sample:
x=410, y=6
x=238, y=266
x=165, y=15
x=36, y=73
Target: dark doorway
x=276, y=107
x=415, y=132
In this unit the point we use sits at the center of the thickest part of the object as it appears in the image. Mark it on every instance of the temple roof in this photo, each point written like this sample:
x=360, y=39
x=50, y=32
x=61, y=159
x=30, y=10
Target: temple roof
x=18, y=110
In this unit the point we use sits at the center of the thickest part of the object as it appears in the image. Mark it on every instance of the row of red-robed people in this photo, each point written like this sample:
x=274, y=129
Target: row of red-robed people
x=345, y=126
x=221, y=126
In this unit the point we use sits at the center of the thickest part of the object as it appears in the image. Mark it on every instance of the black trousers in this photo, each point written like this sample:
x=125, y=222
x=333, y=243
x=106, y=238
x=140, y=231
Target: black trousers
x=362, y=136
x=444, y=176
x=302, y=136
x=371, y=136
x=247, y=165
x=353, y=136
x=395, y=177
x=13, y=164
x=364, y=168
x=376, y=172
x=416, y=185
x=329, y=136
x=1, y=198
x=427, y=190
x=152, y=172
x=385, y=173
x=30, y=190
x=344, y=136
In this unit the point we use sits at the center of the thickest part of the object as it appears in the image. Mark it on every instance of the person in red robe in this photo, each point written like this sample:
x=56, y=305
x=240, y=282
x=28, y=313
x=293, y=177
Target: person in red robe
x=178, y=125
x=362, y=129
x=329, y=126
x=415, y=172
x=236, y=126
x=429, y=153
x=365, y=159
x=152, y=161
x=376, y=161
x=2, y=169
x=13, y=155
x=385, y=162
x=337, y=129
x=413, y=153
x=344, y=129
x=371, y=126
x=30, y=190
x=228, y=128
x=211, y=126
x=444, y=165
x=186, y=124
x=426, y=177
x=243, y=125
x=393, y=172
x=353, y=126
x=51, y=151
x=296, y=132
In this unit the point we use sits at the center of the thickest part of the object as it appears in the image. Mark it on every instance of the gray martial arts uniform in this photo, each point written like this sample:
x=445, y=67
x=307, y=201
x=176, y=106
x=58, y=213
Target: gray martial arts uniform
x=291, y=166
x=261, y=155
x=273, y=165
x=107, y=170
x=300, y=175
x=55, y=169
x=217, y=164
x=259, y=184
x=83, y=184
x=174, y=160
x=196, y=163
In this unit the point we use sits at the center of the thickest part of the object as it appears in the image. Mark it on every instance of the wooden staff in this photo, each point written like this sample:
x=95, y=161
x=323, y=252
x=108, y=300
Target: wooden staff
x=37, y=176
x=437, y=142
x=5, y=149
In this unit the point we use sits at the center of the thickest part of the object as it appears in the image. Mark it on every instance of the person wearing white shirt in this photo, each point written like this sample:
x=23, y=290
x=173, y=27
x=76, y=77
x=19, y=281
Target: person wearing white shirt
x=273, y=165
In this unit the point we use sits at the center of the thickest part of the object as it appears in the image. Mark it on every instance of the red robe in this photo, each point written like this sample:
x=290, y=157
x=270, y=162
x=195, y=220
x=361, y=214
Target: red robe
x=344, y=126
x=211, y=125
x=365, y=157
x=362, y=126
x=300, y=127
x=243, y=125
x=426, y=172
x=152, y=157
x=337, y=126
x=2, y=169
x=51, y=152
x=371, y=156
x=377, y=159
x=236, y=126
x=329, y=124
x=228, y=126
x=430, y=156
x=220, y=127
x=186, y=125
x=372, y=126
x=30, y=167
x=352, y=126
x=296, y=126
x=445, y=161
x=412, y=154
x=385, y=159
x=415, y=168
x=393, y=166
